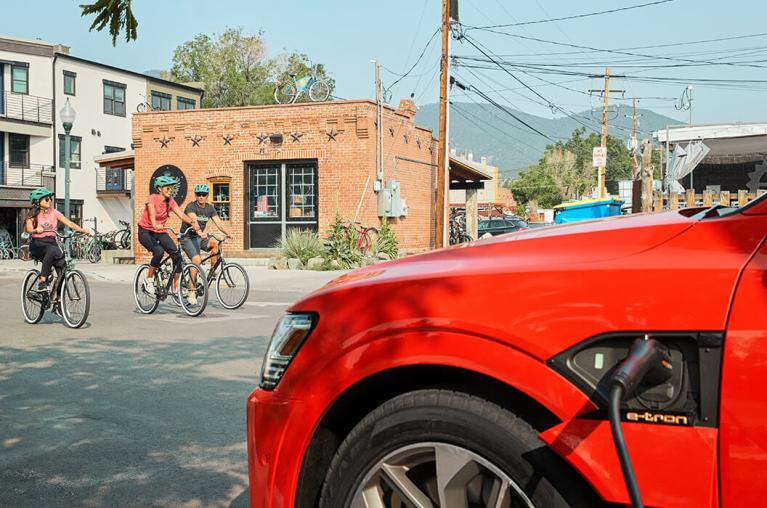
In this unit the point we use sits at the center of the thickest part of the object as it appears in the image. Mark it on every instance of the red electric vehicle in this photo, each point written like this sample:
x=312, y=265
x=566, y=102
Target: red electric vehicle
x=597, y=363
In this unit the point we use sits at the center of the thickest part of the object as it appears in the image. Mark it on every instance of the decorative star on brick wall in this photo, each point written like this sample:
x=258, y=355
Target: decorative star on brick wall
x=418, y=142
x=332, y=135
x=262, y=137
x=407, y=138
x=296, y=136
x=228, y=139
x=391, y=131
x=195, y=140
x=164, y=142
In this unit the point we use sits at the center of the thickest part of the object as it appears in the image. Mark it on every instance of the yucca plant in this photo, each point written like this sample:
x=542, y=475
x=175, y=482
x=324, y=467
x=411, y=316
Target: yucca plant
x=303, y=244
x=341, y=244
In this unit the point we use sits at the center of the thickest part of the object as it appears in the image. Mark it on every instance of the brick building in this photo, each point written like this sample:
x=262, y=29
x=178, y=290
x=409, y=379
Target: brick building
x=276, y=167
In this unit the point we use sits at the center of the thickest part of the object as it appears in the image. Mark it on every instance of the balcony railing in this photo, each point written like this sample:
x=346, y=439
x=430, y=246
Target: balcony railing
x=27, y=108
x=27, y=175
x=114, y=181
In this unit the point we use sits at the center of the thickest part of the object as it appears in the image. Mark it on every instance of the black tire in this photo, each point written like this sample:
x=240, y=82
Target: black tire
x=232, y=286
x=454, y=419
x=32, y=309
x=145, y=303
x=197, y=283
x=75, y=299
x=94, y=253
x=123, y=240
x=142, y=107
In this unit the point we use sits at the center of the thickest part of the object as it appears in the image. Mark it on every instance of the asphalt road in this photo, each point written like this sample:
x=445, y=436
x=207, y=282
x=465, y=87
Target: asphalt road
x=130, y=410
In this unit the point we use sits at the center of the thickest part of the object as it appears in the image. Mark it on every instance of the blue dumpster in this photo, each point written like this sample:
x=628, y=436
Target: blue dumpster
x=586, y=210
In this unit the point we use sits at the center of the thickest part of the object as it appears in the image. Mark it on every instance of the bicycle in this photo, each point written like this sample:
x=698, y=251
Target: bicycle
x=191, y=281
x=69, y=295
x=145, y=105
x=367, y=236
x=122, y=238
x=288, y=93
x=231, y=278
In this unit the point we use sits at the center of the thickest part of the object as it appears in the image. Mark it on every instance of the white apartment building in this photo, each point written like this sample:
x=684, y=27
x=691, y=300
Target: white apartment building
x=37, y=79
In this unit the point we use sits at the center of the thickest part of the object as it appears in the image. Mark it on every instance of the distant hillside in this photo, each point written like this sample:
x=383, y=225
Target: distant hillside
x=484, y=130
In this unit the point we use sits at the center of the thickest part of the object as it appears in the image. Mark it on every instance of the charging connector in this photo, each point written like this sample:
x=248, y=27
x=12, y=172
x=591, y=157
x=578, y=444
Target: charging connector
x=648, y=361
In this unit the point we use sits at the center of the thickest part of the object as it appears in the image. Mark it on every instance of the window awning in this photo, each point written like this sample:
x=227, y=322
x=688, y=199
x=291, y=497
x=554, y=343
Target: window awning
x=116, y=160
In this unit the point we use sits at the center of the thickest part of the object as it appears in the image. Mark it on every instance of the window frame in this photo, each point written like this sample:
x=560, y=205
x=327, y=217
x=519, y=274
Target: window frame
x=187, y=102
x=75, y=211
x=25, y=67
x=73, y=76
x=11, y=163
x=114, y=85
x=161, y=96
x=213, y=182
x=73, y=140
x=291, y=170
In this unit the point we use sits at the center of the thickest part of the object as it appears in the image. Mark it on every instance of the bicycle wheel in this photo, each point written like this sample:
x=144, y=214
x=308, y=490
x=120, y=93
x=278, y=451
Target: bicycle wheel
x=319, y=91
x=193, y=289
x=232, y=286
x=94, y=253
x=145, y=302
x=285, y=94
x=123, y=240
x=75, y=299
x=24, y=253
x=368, y=240
x=141, y=107
x=32, y=303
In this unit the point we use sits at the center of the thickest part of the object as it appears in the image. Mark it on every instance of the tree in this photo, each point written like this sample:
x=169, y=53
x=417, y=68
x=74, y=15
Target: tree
x=117, y=14
x=235, y=70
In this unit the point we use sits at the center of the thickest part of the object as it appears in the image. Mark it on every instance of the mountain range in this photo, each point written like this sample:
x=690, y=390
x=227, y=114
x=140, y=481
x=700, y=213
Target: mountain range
x=485, y=130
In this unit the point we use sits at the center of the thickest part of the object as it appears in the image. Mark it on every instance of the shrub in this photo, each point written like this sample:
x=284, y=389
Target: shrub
x=387, y=240
x=303, y=244
x=341, y=244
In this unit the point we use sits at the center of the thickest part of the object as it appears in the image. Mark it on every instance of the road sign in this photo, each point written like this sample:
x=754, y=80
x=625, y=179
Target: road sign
x=599, y=157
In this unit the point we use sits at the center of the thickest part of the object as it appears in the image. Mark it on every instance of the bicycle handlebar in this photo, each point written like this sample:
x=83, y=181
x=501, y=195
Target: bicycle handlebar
x=178, y=235
x=225, y=238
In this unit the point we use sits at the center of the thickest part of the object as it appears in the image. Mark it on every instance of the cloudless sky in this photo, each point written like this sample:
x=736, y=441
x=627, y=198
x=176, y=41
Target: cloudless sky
x=346, y=34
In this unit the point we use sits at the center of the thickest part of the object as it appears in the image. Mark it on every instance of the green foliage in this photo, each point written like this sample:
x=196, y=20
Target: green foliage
x=387, y=240
x=115, y=13
x=341, y=244
x=235, y=70
x=565, y=172
x=303, y=244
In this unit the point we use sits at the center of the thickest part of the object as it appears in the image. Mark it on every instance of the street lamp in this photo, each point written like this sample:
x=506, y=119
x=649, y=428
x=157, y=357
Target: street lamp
x=67, y=114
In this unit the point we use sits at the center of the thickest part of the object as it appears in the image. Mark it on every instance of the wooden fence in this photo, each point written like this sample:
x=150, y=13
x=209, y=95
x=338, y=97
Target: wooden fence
x=665, y=201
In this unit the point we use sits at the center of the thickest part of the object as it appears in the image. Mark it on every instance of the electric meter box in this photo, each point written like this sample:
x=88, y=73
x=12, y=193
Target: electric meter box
x=389, y=200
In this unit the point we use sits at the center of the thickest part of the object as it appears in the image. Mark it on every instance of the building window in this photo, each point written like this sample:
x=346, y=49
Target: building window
x=184, y=103
x=115, y=179
x=160, y=101
x=265, y=192
x=114, y=98
x=20, y=78
x=75, y=211
x=113, y=149
x=221, y=197
x=18, y=147
x=69, y=83
x=75, y=143
x=301, y=191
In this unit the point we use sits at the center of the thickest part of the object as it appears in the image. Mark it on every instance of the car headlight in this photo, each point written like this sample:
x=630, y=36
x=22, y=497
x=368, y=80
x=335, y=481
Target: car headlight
x=289, y=334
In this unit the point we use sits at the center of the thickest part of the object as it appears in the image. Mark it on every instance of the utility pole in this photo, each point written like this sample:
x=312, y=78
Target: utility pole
x=379, y=131
x=646, y=175
x=443, y=158
x=633, y=144
x=605, y=105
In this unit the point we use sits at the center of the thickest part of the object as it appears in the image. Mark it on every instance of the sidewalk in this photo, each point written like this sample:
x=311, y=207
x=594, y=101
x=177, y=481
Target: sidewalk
x=261, y=278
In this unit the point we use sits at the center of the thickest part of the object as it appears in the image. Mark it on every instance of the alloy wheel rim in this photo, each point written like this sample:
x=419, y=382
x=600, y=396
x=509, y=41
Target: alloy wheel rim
x=432, y=475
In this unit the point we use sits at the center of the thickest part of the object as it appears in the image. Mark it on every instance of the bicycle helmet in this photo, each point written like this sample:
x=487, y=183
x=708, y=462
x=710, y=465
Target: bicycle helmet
x=201, y=188
x=39, y=194
x=164, y=180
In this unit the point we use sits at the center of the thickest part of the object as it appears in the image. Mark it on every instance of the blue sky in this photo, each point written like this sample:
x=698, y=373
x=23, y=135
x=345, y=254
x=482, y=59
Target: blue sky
x=345, y=35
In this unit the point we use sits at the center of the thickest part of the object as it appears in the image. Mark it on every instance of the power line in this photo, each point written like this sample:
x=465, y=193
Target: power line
x=577, y=16
x=418, y=60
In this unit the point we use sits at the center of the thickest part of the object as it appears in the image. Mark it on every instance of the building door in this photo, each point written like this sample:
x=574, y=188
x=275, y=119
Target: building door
x=280, y=195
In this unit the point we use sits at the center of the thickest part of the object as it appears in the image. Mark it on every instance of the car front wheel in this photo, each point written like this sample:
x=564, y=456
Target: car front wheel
x=446, y=449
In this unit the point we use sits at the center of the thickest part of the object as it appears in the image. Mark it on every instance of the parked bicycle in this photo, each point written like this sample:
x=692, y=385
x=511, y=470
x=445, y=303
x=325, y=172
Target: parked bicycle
x=146, y=105
x=122, y=237
x=232, y=283
x=192, y=282
x=68, y=295
x=367, y=236
x=289, y=92
x=458, y=232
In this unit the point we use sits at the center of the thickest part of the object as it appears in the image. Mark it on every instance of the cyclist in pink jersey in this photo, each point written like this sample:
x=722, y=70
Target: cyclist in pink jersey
x=151, y=229
x=41, y=223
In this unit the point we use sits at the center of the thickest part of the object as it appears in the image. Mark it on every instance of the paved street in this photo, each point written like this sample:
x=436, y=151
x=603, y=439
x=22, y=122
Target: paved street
x=133, y=410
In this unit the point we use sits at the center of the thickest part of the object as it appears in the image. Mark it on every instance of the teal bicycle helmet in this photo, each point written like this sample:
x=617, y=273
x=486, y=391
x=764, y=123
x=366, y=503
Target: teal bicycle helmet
x=39, y=193
x=164, y=180
x=201, y=188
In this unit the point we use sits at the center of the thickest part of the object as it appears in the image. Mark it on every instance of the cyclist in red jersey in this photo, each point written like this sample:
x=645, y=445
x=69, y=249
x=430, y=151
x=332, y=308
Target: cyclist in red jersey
x=151, y=229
